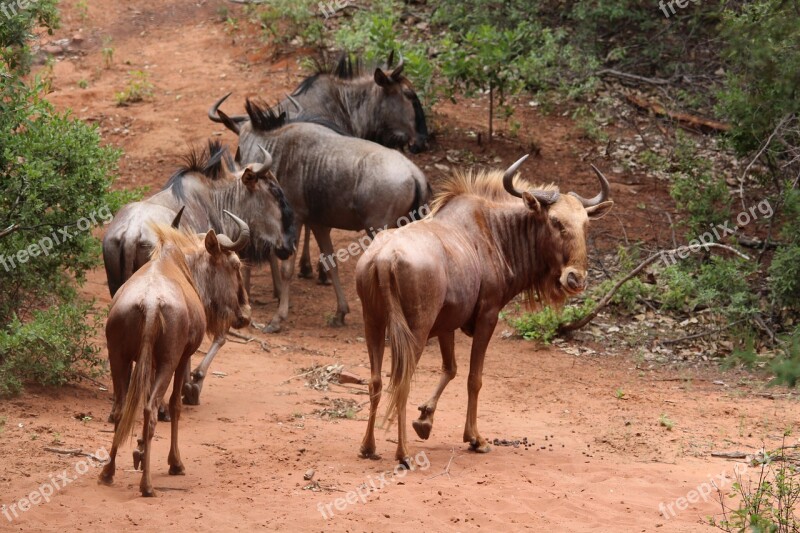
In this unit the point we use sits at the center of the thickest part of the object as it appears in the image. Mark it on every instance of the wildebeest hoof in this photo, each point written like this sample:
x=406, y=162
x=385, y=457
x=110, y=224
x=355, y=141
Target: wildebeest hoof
x=423, y=428
x=271, y=328
x=163, y=414
x=369, y=455
x=103, y=479
x=149, y=493
x=407, y=463
x=306, y=272
x=476, y=446
x=191, y=393
x=177, y=470
x=323, y=279
x=137, y=459
x=336, y=321
x=110, y=417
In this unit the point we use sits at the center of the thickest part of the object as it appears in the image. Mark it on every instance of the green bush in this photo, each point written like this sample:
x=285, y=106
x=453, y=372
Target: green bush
x=762, y=56
x=52, y=348
x=543, y=325
x=55, y=188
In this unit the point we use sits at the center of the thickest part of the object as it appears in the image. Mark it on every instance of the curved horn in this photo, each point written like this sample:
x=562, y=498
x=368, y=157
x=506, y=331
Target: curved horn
x=213, y=113
x=508, y=177
x=398, y=70
x=244, y=235
x=267, y=158
x=176, y=222
x=390, y=60
x=295, y=103
x=601, y=197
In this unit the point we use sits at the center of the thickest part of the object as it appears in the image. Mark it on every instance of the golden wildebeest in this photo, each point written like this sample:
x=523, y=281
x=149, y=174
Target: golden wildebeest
x=157, y=320
x=456, y=269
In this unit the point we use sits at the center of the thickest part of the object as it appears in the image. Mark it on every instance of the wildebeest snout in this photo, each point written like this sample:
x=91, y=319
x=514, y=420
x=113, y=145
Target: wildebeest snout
x=573, y=280
x=243, y=317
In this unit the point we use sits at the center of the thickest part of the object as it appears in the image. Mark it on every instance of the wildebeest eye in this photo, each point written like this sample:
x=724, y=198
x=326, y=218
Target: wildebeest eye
x=559, y=226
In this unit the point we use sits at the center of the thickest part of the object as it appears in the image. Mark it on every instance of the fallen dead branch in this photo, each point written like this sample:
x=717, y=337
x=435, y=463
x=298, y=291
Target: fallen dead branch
x=604, y=301
x=632, y=77
x=686, y=120
x=77, y=452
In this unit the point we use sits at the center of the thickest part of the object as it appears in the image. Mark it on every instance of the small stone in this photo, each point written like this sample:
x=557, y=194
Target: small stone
x=309, y=475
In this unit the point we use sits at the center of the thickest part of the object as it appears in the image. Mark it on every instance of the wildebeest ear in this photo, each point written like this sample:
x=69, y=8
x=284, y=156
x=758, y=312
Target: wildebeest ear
x=249, y=178
x=533, y=204
x=382, y=79
x=600, y=210
x=212, y=244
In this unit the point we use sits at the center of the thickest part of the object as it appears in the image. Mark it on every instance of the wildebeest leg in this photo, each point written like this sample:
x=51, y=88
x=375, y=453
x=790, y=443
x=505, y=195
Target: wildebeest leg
x=194, y=383
x=486, y=323
x=375, y=332
x=323, y=236
x=424, y=424
x=174, y=459
x=305, y=258
x=275, y=270
x=246, y=279
x=160, y=384
x=121, y=378
x=286, y=271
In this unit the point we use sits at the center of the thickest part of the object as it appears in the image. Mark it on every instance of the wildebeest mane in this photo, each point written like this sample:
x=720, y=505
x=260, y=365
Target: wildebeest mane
x=167, y=235
x=486, y=184
x=347, y=67
x=214, y=162
x=266, y=118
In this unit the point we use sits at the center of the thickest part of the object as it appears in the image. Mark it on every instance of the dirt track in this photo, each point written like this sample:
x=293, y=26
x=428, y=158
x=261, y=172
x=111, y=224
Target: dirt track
x=597, y=462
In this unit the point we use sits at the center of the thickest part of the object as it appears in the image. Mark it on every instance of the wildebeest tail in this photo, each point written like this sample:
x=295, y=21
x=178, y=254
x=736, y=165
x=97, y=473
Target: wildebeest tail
x=422, y=195
x=401, y=340
x=113, y=264
x=141, y=381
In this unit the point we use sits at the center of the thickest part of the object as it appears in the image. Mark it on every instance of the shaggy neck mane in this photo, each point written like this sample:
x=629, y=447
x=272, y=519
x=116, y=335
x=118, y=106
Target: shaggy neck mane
x=186, y=250
x=266, y=119
x=523, y=244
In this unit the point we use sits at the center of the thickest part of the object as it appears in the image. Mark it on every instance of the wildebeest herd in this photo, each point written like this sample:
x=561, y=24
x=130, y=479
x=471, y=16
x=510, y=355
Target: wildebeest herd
x=327, y=157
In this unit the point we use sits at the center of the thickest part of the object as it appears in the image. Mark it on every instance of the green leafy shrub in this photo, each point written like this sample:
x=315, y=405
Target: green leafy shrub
x=139, y=89
x=543, y=325
x=52, y=348
x=55, y=182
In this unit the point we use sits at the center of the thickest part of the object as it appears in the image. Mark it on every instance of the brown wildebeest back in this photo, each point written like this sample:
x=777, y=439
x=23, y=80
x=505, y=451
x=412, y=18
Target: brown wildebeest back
x=157, y=320
x=483, y=243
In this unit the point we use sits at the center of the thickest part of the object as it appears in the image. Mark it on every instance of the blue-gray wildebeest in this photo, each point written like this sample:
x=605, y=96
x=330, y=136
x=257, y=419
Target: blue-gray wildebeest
x=208, y=183
x=377, y=106
x=192, y=285
x=456, y=269
x=332, y=181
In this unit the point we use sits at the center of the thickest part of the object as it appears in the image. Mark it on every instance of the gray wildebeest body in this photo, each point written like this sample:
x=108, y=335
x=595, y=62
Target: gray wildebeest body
x=157, y=319
x=333, y=181
x=377, y=106
x=207, y=184
x=480, y=246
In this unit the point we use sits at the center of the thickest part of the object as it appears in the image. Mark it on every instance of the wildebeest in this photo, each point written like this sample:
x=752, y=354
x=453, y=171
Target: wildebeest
x=375, y=106
x=332, y=181
x=208, y=183
x=456, y=269
x=157, y=320
x=378, y=106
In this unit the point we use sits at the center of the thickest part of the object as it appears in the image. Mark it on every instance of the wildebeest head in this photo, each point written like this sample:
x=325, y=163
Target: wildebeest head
x=219, y=279
x=271, y=217
x=399, y=111
x=562, y=222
